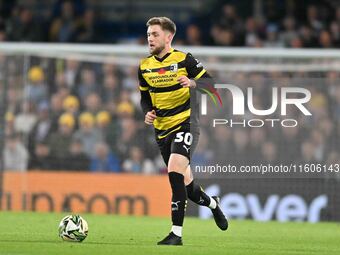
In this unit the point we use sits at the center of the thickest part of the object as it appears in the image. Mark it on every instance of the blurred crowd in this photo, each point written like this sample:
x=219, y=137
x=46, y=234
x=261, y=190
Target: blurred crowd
x=313, y=26
x=66, y=21
x=295, y=24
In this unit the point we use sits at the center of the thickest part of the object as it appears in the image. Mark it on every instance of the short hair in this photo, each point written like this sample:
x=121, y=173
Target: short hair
x=164, y=22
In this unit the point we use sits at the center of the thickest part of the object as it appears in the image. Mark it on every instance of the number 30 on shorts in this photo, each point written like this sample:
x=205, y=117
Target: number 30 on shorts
x=182, y=136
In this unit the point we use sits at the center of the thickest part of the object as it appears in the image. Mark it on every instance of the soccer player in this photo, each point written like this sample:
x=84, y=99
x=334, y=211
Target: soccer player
x=167, y=78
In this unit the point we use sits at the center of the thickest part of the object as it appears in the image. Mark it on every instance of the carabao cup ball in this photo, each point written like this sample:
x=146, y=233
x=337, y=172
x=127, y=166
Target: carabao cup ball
x=73, y=228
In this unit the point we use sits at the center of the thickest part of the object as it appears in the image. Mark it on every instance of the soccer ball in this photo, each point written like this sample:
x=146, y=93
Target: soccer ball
x=73, y=228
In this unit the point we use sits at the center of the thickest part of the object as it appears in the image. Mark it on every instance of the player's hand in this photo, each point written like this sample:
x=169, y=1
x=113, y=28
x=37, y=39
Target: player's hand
x=186, y=82
x=150, y=117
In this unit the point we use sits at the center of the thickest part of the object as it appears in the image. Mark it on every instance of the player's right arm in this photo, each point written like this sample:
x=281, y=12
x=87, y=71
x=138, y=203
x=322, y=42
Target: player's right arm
x=145, y=101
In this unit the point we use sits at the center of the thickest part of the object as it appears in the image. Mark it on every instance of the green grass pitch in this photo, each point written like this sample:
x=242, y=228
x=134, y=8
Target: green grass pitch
x=36, y=233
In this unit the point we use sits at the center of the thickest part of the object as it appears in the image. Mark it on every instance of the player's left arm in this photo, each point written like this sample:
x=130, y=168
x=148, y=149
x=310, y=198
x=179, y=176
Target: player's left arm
x=197, y=75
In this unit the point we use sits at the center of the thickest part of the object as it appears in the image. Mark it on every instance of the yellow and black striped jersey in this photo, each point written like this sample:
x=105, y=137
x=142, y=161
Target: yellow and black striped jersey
x=169, y=99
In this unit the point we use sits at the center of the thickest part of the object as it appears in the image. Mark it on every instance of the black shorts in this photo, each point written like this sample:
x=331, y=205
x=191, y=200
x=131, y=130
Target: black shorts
x=182, y=141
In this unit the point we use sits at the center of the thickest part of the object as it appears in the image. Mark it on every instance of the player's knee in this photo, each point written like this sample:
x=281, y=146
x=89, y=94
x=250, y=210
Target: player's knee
x=178, y=163
x=176, y=168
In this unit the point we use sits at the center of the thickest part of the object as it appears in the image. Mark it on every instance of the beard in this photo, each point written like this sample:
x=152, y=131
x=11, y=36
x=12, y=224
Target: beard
x=157, y=50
